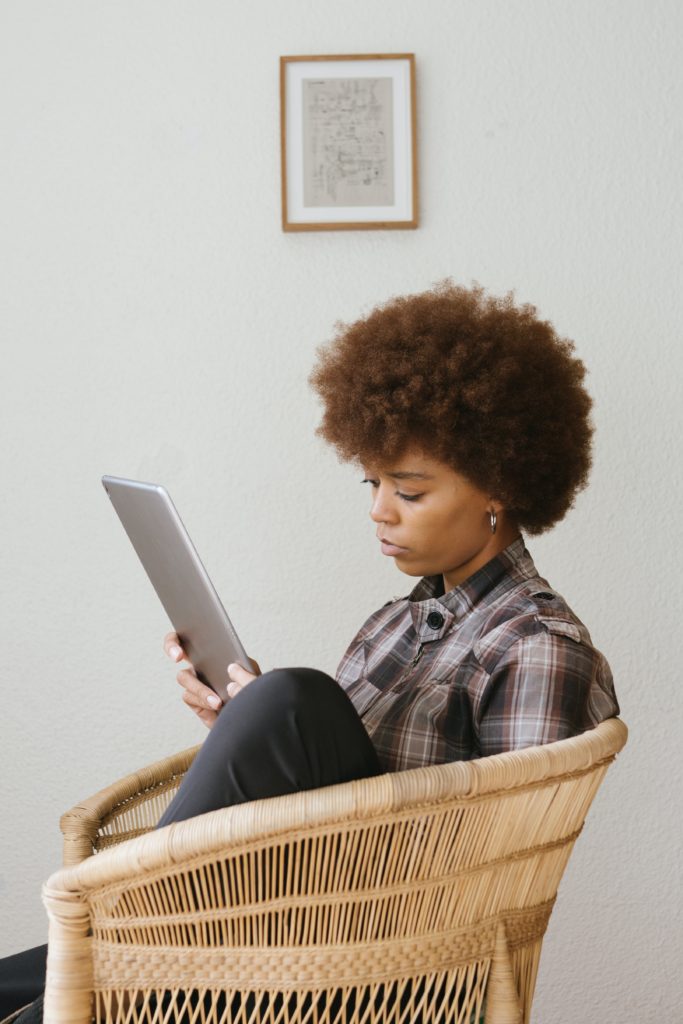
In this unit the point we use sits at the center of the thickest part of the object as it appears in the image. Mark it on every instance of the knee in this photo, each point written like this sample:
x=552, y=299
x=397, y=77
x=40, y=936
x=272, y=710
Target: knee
x=270, y=699
x=275, y=702
x=283, y=689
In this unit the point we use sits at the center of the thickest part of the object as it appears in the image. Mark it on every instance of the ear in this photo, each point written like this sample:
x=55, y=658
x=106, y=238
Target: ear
x=504, y=517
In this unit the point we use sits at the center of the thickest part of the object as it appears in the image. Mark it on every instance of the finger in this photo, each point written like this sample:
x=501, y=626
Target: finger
x=240, y=675
x=239, y=678
x=194, y=702
x=172, y=647
x=207, y=716
x=205, y=696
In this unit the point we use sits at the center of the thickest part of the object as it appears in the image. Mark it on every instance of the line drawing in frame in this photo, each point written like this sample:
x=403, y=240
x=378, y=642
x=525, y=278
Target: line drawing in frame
x=348, y=142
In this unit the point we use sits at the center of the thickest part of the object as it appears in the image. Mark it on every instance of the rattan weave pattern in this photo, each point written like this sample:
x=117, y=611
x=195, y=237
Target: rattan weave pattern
x=415, y=897
x=294, y=967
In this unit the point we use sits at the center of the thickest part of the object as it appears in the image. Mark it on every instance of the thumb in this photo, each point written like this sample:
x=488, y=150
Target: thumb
x=238, y=674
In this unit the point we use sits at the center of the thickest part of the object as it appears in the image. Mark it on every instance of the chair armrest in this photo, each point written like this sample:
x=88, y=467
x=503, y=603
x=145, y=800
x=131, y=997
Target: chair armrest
x=128, y=808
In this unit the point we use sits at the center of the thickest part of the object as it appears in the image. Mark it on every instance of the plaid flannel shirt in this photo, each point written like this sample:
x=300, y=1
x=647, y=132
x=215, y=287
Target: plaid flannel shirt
x=498, y=663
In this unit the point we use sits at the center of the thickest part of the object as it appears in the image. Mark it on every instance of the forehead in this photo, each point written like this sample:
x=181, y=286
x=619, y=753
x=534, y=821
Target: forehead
x=412, y=464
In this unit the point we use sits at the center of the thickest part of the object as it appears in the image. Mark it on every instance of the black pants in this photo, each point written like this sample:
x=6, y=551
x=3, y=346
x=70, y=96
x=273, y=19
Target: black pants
x=287, y=731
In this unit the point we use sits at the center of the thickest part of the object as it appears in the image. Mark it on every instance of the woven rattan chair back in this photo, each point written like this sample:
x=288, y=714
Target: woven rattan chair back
x=421, y=896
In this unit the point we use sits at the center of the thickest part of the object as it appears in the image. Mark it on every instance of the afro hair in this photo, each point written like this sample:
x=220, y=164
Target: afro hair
x=473, y=380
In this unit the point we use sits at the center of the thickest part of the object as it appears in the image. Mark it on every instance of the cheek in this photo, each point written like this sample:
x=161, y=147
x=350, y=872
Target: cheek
x=461, y=528
x=436, y=534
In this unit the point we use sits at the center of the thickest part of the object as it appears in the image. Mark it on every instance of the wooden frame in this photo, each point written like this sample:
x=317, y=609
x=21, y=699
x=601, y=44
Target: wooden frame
x=348, y=142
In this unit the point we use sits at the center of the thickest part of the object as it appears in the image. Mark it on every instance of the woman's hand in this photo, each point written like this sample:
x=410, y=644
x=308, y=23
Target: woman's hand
x=239, y=677
x=204, y=701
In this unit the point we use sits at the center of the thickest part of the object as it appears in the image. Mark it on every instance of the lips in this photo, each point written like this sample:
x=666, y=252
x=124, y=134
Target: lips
x=386, y=543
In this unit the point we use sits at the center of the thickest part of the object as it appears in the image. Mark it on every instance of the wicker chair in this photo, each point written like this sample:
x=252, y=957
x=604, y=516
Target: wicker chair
x=416, y=897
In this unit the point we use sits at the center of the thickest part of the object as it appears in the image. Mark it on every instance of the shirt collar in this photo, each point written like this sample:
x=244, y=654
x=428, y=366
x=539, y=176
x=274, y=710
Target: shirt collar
x=427, y=597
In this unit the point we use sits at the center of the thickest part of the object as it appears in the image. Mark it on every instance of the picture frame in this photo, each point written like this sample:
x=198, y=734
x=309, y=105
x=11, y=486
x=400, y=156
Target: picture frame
x=348, y=142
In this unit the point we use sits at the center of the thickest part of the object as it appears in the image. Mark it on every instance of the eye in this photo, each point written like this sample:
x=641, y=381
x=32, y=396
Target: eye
x=399, y=494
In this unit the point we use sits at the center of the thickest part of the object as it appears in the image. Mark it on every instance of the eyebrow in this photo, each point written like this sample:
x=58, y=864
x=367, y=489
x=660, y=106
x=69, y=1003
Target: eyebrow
x=410, y=476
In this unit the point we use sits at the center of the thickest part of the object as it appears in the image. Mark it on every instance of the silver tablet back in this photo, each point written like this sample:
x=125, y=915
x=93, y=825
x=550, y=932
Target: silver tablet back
x=163, y=545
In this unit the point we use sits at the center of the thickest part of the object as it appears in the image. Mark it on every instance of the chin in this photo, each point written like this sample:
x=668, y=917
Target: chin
x=409, y=570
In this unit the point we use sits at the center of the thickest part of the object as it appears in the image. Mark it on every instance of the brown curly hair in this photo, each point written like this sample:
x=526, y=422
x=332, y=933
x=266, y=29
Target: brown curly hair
x=473, y=380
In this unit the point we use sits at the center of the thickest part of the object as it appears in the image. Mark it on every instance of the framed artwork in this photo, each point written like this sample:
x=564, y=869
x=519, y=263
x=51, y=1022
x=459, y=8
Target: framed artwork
x=348, y=148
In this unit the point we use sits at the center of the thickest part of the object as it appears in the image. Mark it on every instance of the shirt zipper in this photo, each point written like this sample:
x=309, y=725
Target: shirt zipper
x=413, y=663
x=411, y=666
x=417, y=657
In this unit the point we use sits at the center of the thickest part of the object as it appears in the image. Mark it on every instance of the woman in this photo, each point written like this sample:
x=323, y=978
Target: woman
x=470, y=420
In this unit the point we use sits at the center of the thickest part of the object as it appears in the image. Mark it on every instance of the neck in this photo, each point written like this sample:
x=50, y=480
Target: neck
x=504, y=536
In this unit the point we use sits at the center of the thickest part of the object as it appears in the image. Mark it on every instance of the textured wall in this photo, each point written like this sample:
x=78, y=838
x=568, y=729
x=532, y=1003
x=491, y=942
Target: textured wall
x=156, y=323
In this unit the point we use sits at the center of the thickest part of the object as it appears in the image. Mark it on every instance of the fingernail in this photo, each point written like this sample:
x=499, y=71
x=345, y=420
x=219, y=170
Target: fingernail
x=214, y=702
x=231, y=666
x=175, y=651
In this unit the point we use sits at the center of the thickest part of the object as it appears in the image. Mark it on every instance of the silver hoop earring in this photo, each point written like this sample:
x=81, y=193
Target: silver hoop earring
x=494, y=520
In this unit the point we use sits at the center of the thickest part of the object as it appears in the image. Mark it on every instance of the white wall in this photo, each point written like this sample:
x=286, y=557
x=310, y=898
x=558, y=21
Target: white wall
x=157, y=323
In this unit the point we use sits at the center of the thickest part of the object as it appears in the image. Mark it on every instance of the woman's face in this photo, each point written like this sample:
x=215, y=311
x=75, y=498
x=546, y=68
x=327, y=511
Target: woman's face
x=431, y=519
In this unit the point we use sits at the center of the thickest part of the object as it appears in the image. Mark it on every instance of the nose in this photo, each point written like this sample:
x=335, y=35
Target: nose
x=382, y=509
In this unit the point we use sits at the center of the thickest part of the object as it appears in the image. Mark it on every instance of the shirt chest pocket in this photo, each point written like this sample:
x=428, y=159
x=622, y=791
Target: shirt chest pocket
x=413, y=705
x=365, y=697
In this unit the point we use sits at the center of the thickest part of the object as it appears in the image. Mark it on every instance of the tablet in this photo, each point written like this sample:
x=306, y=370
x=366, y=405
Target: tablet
x=163, y=545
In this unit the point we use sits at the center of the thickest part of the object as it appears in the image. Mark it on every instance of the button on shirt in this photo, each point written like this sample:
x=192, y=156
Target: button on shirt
x=498, y=663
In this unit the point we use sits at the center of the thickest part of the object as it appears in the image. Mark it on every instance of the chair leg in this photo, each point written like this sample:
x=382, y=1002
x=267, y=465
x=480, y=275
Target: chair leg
x=69, y=978
x=502, y=998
